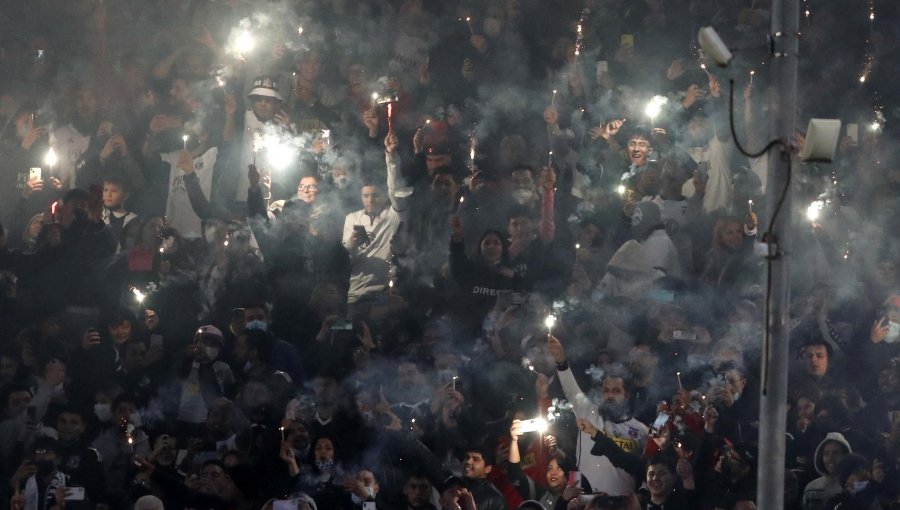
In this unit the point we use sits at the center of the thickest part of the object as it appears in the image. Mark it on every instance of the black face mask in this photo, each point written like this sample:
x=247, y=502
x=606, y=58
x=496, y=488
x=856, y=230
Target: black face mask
x=45, y=467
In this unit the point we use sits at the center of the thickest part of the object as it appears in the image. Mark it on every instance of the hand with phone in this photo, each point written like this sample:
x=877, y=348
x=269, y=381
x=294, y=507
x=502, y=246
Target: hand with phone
x=32, y=186
x=90, y=339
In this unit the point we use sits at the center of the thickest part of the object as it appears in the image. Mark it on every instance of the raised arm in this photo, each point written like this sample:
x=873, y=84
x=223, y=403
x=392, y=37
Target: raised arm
x=581, y=404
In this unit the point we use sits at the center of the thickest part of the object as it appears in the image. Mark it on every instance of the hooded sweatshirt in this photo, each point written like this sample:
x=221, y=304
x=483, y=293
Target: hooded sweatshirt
x=820, y=490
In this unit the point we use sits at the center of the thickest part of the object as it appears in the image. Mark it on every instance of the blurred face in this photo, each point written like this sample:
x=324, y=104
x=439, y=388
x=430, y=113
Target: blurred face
x=443, y=186
x=521, y=227
x=264, y=107
x=212, y=478
x=85, y=104
x=121, y=332
x=408, y=375
x=417, y=492
x=521, y=179
x=735, y=382
x=17, y=402
x=832, y=454
x=8, y=368
x=475, y=467
x=324, y=450
x=816, y=359
x=433, y=161
x=733, y=235
x=556, y=477
x=660, y=480
x=614, y=390
x=806, y=408
x=310, y=67
x=179, y=92
x=122, y=413
x=308, y=189
x=638, y=151
x=373, y=200
x=70, y=426
x=492, y=248
x=113, y=196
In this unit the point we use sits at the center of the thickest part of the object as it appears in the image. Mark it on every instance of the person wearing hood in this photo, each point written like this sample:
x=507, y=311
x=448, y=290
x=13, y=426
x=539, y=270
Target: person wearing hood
x=860, y=482
x=648, y=229
x=829, y=454
x=612, y=417
x=629, y=274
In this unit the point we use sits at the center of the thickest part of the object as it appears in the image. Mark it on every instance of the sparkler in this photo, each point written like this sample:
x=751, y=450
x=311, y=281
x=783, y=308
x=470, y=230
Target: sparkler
x=654, y=107
x=184, y=139
x=553, y=98
x=750, y=205
x=244, y=43
x=814, y=211
x=678, y=376
x=752, y=73
x=469, y=23
x=549, y=322
x=138, y=294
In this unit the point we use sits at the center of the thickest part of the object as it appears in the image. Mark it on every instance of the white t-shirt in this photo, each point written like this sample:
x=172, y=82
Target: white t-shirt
x=69, y=145
x=179, y=212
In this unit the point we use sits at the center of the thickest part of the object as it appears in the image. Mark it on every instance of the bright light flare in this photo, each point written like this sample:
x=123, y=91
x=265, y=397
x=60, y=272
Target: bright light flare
x=51, y=159
x=535, y=425
x=814, y=211
x=654, y=107
x=244, y=43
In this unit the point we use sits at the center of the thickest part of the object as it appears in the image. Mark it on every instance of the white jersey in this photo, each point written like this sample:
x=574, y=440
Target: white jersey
x=631, y=436
x=370, y=271
x=69, y=145
x=179, y=212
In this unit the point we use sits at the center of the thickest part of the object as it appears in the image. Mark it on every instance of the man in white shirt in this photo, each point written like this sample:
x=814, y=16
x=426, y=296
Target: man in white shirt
x=612, y=418
x=191, y=175
x=369, y=231
x=72, y=140
x=266, y=110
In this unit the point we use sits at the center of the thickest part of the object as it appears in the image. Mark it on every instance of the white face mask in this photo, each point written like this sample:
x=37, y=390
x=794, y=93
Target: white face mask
x=522, y=196
x=893, y=335
x=102, y=412
x=492, y=26
x=370, y=494
x=212, y=352
x=860, y=486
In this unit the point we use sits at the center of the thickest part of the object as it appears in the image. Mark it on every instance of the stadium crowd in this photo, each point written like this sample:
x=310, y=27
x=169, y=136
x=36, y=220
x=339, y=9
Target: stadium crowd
x=457, y=255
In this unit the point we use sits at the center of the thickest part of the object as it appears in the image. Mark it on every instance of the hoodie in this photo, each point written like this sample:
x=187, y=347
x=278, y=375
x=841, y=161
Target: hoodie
x=822, y=489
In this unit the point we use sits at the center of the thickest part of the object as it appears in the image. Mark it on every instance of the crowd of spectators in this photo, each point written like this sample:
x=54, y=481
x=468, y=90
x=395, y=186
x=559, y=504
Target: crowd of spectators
x=446, y=255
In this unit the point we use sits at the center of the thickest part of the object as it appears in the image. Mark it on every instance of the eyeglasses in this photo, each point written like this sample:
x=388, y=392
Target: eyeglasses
x=308, y=187
x=642, y=145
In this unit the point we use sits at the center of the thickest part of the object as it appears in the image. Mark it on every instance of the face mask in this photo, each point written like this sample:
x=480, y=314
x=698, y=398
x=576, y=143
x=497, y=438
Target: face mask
x=257, y=324
x=615, y=411
x=522, y=196
x=736, y=396
x=370, y=494
x=212, y=352
x=102, y=412
x=324, y=465
x=893, y=335
x=859, y=486
x=341, y=181
x=45, y=467
x=135, y=419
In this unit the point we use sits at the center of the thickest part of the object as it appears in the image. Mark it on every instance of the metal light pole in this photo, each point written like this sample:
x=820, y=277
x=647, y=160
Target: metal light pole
x=773, y=399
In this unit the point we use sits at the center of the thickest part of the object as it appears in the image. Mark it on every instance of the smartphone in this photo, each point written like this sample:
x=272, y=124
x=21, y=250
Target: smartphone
x=34, y=173
x=853, y=132
x=156, y=341
x=627, y=40
x=533, y=425
x=75, y=494
x=661, y=419
x=361, y=230
x=369, y=505
x=342, y=325
x=684, y=334
x=284, y=504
